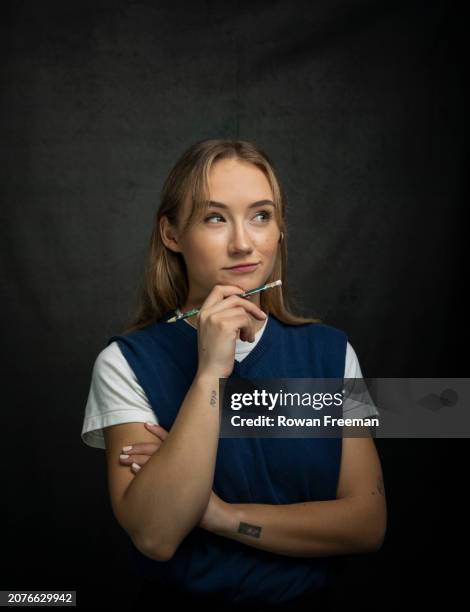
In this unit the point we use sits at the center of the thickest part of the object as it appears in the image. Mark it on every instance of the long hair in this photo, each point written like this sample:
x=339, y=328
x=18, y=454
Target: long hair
x=164, y=285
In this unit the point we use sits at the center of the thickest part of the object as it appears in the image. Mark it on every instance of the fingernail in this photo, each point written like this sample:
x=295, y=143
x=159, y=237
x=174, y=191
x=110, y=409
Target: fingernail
x=151, y=424
x=123, y=456
x=126, y=448
x=135, y=466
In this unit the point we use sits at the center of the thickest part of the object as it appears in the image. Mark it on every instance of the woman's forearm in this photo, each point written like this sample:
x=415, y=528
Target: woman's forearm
x=169, y=495
x=309, y=529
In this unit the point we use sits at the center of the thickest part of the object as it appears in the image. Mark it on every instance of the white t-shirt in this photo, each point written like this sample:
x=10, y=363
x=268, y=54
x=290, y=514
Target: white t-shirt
x=116, y=396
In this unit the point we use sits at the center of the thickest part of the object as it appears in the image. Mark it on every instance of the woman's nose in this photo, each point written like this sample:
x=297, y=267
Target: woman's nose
x=241, y=239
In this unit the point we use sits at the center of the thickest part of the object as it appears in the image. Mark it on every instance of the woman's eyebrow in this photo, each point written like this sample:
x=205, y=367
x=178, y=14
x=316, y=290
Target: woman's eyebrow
x=259, y=203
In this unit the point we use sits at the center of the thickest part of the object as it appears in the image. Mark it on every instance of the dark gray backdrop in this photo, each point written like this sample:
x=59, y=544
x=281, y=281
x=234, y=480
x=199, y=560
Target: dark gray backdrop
x=360, y=105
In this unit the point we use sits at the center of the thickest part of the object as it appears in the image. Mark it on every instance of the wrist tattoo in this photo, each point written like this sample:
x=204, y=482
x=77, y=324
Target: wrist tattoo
x=251, y=530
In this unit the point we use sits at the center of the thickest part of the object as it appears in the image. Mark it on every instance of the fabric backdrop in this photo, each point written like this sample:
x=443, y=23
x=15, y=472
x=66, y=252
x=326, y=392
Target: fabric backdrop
x=361, y=106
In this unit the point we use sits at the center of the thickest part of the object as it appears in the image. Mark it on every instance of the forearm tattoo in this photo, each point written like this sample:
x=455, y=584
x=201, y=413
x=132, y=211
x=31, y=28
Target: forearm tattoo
x=213, y=401
x=251, y=530
x=380, y=486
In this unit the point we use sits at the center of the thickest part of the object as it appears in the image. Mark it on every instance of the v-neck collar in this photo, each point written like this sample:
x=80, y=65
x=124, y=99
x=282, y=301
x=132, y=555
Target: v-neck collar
x=253, y=356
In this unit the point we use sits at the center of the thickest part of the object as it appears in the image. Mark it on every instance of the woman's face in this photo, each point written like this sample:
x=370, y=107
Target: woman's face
x=232, y=232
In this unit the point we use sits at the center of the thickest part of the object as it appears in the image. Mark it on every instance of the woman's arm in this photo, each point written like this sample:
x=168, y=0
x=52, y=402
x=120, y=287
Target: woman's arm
x=167, y=498
x=355, y=522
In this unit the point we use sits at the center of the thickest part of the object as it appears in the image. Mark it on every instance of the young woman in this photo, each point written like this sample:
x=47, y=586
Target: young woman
x=249, y=521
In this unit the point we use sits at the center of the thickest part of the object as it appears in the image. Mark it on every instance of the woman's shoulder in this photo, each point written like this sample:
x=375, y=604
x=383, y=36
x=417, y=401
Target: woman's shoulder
x=330, y=330
x=108, y=356
x=329, y=336
x=110, y=365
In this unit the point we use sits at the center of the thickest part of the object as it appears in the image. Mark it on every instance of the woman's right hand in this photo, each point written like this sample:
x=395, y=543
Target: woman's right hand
x=223, y=317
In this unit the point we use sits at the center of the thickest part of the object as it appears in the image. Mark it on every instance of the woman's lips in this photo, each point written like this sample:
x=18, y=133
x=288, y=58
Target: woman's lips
x=242, y=269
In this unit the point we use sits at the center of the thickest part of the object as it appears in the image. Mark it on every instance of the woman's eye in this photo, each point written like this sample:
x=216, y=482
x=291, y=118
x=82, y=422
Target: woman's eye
x=267, y=214
x=211, y=216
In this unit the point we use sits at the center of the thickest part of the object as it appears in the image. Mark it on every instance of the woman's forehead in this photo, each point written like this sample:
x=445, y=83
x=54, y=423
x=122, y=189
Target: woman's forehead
x=231, y=180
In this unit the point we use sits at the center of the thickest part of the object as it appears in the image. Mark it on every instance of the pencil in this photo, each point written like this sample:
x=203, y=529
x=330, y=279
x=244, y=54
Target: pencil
x=194, y=311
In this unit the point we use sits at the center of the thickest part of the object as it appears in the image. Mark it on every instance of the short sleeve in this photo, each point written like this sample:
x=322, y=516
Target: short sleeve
x=357, y=401
x=115, y=396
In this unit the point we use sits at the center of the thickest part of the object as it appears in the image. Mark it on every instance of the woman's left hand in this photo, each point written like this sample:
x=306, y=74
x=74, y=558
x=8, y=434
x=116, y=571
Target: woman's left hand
x=140, y=452
x=216, y=516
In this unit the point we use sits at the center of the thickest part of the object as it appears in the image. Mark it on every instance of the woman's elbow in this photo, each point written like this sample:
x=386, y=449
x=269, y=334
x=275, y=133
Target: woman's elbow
x=365, y=541
x=156, y=553
x=370, y=528
x=376, y=533
x=375, y=541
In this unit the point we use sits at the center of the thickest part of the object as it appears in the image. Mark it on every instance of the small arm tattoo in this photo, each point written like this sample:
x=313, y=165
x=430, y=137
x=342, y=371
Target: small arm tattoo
x=251, y=530
x=380, y=486
x=213, y=401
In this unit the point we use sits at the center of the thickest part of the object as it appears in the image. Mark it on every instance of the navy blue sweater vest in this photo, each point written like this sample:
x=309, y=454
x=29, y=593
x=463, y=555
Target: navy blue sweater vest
x=164, y=358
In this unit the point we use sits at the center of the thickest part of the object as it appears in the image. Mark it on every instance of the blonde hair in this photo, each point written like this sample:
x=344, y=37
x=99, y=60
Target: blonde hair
x=165, y=286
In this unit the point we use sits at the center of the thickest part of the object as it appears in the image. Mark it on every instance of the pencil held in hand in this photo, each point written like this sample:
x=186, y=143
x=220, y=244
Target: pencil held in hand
x=194, y=311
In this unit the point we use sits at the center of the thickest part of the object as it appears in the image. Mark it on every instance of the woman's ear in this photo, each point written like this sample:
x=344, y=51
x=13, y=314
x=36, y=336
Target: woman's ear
x=169, y=235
